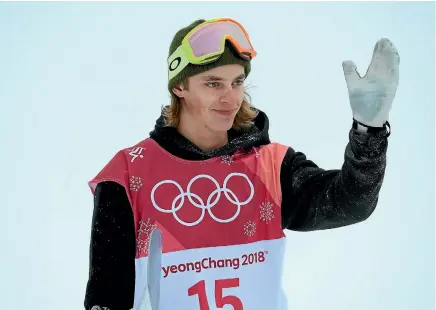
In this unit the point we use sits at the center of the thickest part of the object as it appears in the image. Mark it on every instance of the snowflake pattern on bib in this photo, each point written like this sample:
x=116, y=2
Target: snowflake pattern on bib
x=250, y=228
x=266, y=211
x=143, y=236
x=227, y=159
x=135, y=183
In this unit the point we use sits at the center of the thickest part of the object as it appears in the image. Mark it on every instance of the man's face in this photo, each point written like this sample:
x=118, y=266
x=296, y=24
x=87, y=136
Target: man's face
x=214, y=97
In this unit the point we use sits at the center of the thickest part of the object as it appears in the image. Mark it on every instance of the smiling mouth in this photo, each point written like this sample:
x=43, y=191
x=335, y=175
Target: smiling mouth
x=225, y=112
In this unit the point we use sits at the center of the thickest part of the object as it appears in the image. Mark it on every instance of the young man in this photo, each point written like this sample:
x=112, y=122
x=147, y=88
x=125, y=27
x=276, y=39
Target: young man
x=219, y=191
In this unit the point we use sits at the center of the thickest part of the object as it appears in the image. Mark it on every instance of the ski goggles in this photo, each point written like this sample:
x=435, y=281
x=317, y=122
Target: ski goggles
x=206, y=42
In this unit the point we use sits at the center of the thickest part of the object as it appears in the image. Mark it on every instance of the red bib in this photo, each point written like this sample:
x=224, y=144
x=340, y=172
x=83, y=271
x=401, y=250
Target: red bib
x=220, y=219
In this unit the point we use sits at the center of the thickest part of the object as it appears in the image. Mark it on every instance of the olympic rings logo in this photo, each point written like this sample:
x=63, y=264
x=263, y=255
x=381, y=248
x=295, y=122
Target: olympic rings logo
x=212, y=199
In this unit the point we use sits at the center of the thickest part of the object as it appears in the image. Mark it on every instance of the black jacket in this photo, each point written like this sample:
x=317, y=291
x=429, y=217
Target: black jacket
x=312, y=199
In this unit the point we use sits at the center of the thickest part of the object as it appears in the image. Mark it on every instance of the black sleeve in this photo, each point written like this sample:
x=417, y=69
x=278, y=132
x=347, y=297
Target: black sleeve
x=317, y=199
x=111, y=280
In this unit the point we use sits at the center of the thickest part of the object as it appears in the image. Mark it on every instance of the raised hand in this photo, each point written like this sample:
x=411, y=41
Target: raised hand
x=371, y=96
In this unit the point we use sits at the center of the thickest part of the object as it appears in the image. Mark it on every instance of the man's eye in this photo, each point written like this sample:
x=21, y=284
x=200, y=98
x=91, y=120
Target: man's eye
x=239, y=82
x=212, y=84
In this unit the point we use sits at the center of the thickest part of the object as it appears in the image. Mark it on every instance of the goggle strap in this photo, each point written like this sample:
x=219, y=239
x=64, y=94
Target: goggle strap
x=177, y=62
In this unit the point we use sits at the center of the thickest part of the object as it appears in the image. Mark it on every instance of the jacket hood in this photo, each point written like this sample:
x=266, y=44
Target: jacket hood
x=176, y=144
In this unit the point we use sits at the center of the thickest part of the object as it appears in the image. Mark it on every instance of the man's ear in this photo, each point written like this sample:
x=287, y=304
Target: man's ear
x=179, y=91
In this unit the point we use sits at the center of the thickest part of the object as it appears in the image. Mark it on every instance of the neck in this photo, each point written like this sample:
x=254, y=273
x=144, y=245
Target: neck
x=200, y=135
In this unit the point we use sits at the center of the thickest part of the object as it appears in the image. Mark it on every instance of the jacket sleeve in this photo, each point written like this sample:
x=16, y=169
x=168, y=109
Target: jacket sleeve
x=111, y=279
x=317, y=199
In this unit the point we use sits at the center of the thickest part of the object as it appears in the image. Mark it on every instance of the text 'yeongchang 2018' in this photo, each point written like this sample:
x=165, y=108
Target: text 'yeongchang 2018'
x=210, y=263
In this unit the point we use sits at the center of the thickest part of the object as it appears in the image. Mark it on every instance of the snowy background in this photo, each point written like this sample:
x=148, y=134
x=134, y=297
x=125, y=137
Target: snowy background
x=80, y=81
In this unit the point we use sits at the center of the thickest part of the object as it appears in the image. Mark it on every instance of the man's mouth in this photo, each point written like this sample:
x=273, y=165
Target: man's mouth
x=225, y=112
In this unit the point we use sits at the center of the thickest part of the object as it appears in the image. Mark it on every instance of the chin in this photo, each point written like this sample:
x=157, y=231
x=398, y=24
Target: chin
x=221, y=125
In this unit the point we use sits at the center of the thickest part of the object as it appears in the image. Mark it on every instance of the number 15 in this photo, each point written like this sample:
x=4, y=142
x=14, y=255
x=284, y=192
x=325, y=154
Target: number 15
x=199, y=289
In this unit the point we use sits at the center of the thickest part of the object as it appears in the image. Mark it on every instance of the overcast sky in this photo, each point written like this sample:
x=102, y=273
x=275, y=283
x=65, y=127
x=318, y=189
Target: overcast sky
x=80, y=81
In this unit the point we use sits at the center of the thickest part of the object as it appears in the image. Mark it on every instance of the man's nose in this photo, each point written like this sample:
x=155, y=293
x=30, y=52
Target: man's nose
x=227, y=87
x=227, y=91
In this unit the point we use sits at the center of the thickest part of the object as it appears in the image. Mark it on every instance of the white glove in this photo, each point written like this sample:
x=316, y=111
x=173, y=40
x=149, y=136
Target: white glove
x=371, y=96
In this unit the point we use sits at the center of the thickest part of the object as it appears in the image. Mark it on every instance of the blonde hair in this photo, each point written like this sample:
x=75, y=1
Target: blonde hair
x=243, y=119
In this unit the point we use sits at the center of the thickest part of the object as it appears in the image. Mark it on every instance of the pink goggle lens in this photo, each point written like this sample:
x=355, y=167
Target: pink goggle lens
x=207, y=39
